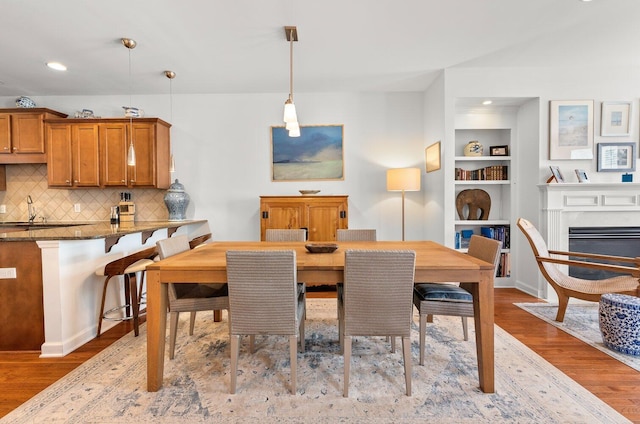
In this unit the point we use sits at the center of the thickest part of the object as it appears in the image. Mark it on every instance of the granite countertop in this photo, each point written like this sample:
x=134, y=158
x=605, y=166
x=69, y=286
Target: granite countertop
x=83, y=230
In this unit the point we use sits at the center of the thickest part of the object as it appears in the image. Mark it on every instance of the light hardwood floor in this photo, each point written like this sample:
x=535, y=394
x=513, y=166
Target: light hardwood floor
x=22, y=375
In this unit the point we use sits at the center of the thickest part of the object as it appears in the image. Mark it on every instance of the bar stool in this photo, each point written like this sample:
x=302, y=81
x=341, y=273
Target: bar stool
x=128, y=267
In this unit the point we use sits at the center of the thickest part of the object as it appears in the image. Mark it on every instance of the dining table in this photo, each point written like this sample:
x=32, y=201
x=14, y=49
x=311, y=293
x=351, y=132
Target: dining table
x=434, y=263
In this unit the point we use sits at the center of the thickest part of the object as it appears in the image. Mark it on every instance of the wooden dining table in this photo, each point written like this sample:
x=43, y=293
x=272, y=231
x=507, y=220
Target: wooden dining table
x=434, y=263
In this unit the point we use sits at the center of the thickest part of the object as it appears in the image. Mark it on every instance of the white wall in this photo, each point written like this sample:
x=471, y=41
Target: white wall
x=221, y=145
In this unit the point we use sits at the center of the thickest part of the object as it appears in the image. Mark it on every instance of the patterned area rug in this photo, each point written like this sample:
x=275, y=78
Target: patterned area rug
x=111, y=387
x=582, y=321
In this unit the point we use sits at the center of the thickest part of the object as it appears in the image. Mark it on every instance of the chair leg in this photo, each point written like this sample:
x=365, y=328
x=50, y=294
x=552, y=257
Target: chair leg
x=406, y=351
x=423, y=331
x=563, y=302
x=393, y=343
x=192, y=322
x=132, y=282
x=347, y=365
x=252, y=343
x=293, y=353
x=173, y=330
x=301, y=335
x=235, y=349
x=465, y=328
x=104, y=295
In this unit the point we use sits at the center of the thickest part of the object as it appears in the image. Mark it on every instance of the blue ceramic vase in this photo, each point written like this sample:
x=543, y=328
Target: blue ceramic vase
x=176, y=201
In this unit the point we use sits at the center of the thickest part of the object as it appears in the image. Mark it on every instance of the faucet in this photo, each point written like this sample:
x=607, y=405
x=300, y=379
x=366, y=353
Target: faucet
x=31, y=209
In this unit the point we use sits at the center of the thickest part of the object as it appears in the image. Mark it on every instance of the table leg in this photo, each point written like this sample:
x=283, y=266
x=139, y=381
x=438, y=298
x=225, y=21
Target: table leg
x=483, y=309
x=156, y=329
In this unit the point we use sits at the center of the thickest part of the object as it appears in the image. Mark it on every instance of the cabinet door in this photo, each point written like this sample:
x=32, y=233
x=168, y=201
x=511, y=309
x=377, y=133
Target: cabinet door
x=284, y=214
x=86, y=155
x=143, y=174
x=59, y=164
x=113, y=144
x=5, y=134
x=27, y=133
x=324, y=220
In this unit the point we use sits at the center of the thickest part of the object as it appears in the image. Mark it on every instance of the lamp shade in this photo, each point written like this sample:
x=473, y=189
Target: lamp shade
x=403, y=179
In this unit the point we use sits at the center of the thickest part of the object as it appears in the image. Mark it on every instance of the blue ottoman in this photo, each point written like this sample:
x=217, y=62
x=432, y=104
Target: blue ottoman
x=620, y=322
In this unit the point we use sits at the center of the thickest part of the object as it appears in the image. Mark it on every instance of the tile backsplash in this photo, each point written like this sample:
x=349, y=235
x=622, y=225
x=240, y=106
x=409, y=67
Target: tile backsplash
x=58, y=204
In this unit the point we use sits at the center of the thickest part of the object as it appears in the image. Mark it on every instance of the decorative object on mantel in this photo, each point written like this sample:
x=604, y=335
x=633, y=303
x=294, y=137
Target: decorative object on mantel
x=176, y=201
x=473, y=148
x=308, y=192
x=627, y=178
x=582, y=176
x=25, y=102
x=557, y=175
x=474, y=200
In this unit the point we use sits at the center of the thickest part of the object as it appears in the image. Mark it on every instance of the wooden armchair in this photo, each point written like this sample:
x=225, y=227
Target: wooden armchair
x=567, y=286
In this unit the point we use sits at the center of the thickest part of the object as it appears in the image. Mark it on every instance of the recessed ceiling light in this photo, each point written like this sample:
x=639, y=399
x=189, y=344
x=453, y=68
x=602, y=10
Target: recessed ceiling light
x=487, y=102
x=57, y=66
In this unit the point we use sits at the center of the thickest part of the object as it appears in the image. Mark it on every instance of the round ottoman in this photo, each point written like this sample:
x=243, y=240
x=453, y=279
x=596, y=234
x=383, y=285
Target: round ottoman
x=620, y=322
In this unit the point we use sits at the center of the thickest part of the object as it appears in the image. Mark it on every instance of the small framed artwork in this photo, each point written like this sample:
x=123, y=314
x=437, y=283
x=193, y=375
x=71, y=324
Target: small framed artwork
x=582, y=176
x=616, y=157
x=616, y=119
x=432, y=157
x=571, y=129
x=557, y=175
x=499, y=151
x=316, y=155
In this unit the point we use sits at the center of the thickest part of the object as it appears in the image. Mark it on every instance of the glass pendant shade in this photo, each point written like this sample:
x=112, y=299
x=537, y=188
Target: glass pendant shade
x=172, y=165
x=290, y=114
x=294, y=131
x=131, y=155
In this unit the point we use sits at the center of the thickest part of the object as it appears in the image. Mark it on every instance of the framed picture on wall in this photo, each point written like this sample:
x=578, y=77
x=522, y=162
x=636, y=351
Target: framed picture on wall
x=316, y=155
x=616, y=119
x=616, y=157
x=571, y=129
x=432, y=157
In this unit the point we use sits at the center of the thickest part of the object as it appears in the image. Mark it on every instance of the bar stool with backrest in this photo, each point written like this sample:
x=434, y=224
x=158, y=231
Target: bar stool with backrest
x=127, y=267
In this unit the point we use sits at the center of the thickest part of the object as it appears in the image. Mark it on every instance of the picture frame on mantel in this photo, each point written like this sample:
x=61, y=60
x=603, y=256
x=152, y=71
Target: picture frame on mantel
x=570, y=129
x=616, y=157
x=316, y=155
x=616, y=119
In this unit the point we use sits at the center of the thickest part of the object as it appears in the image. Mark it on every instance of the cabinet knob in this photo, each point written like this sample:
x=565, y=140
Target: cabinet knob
x=75, y=181
x=15, y=148
x=68, y=182
x=122, y=181
x=5, y=148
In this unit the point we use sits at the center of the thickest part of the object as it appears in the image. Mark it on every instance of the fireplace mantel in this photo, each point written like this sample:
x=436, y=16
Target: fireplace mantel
x=567, y=205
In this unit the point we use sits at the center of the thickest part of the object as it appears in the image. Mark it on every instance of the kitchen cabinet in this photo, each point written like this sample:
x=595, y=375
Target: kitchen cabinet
x=73, y=155
x=151, y=140
x=322, y=216
x=22, y=134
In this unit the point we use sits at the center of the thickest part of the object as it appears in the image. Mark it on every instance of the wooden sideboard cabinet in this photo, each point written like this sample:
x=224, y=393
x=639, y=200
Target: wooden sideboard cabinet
x=22, y=135
x=151, y=141
x=320, y=215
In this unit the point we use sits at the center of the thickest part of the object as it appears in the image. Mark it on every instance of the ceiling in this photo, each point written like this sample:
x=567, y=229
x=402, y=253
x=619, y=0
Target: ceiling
x=239, y=46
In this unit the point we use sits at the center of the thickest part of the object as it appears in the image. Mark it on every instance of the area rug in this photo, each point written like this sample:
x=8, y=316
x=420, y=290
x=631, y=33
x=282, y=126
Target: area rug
x=111, y=387
x=582, y=321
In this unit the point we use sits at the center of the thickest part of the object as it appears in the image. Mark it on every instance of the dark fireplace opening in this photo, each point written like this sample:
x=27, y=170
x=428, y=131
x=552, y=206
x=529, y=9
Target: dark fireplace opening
x=616, y=241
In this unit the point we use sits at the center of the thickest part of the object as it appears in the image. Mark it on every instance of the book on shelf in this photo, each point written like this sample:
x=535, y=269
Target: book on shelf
x=489, y=173
x=498, y=232
x=504, y=265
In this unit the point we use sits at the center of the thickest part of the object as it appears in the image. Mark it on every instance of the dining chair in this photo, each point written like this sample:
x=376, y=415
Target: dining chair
x=286, y=234
x=375, y=300
x=567, y=286
x=450, y=299
x=188, y=297
x=356, y=234
x=264, y=299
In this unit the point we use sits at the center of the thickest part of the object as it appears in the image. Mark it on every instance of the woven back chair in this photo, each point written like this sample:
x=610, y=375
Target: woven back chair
x=265, y=299
x=188, y=297
x=375, y=300
x=450, y=299
x=566, y=286
x=276, y=234
x=356, y=234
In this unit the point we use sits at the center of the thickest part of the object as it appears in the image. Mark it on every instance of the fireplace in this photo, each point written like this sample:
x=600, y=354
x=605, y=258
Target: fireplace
x=616, y=241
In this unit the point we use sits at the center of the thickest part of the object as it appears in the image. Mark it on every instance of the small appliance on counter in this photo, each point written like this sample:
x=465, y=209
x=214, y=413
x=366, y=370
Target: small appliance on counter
x=126, y=208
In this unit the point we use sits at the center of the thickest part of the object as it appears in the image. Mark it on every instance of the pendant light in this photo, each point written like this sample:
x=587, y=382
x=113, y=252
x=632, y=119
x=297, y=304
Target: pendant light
x=131, y=152
x=171, y=75
x=290, y=116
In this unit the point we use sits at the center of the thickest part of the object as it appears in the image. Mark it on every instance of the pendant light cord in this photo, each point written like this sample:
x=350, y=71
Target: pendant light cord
x=291, y=64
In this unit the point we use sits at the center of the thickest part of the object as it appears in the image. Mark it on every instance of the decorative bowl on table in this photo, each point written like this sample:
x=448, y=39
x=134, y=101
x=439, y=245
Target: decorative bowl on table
x=321, y=247
x=308, y=192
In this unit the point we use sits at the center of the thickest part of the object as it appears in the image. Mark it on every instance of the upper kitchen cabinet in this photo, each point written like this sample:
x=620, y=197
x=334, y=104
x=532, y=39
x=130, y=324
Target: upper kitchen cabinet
x=151, y=141
x=73, y=155
x=22, y=134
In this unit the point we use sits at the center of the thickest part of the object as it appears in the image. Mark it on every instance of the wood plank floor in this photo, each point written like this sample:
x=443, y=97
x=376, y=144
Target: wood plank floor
x=24, y=374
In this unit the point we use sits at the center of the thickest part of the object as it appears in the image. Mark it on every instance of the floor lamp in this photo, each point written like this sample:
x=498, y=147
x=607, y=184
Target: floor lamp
x=403, y=179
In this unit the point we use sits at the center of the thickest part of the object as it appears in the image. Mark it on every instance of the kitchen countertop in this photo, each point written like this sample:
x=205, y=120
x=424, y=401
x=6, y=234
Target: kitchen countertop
x=83, y=230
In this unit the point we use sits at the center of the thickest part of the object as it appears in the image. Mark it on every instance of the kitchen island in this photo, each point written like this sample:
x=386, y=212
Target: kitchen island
x=49, y=292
